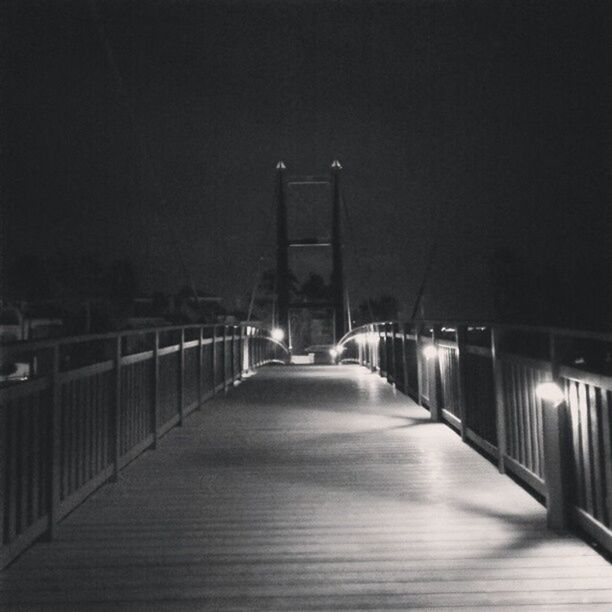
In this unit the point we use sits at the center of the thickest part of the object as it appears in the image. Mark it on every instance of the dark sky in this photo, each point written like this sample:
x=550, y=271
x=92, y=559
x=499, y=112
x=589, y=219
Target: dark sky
x=494, y=116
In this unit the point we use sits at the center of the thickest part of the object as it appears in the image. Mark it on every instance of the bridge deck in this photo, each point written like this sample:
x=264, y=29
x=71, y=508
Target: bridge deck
x=309, y=487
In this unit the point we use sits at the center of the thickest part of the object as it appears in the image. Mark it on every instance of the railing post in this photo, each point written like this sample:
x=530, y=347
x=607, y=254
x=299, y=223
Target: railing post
x=391, y=376
x=115, y=444
x=371, y=349
x=435, y=400
x=418, y=328
x=555, y=445
x=155, y=405
x=233, y=357
x=500, y=406
x=460, y=336
x=200, y=365
x=54, y=435
x=181, y=385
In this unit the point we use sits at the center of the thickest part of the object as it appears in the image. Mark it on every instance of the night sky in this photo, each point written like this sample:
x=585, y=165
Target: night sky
x=486, y=124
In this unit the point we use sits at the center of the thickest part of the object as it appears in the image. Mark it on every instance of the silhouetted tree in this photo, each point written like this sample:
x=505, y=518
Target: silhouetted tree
x=383, y=308
x=315, y=288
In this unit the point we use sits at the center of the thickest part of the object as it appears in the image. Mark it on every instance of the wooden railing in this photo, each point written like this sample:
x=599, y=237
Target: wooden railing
x=93, y=403
x=482, y=380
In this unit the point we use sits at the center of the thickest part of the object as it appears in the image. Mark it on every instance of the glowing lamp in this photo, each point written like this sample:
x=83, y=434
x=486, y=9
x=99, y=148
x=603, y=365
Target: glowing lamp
x=550, y=392
x=361, y=339
x=278, y=334
x=430, y=352
x=333, y=352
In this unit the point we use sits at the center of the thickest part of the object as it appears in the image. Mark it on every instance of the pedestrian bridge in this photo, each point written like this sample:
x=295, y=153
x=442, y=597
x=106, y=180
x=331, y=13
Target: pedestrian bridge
x=300, y=487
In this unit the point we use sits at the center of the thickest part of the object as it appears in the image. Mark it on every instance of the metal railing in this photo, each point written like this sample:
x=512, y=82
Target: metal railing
x=94, y=403
x=483, y=380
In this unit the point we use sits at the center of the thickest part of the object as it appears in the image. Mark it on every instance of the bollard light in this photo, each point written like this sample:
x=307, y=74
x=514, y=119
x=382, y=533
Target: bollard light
x=430, y=352
x=278, y=334
x=550, y=392
x=333, y=352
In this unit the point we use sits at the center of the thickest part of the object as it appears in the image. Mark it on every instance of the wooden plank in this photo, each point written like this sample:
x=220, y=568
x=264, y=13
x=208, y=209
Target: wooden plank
x=82, y=493
x=168, y=350
x=531, y=479
x=485, y=445
x=86, y=371
x=137, y=358
x=338, y=495
x=596, y=529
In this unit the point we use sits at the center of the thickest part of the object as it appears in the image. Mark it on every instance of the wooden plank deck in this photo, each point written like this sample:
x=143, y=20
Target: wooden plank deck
x=309, y=488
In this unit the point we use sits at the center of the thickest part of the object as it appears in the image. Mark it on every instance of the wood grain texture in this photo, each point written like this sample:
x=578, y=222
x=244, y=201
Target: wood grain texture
x=309, y=488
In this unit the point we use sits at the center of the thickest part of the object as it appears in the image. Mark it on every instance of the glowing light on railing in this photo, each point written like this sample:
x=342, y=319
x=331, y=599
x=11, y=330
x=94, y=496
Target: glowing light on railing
x=361, y=339
x=550, y=392
x=278, y=334
x=333, y=352
x=430, y=351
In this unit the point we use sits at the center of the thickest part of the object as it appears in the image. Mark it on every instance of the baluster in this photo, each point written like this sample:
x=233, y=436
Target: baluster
x=155, y=403
x=500, y=406
x=115, y=441
x=181, y=380
x=53, y=446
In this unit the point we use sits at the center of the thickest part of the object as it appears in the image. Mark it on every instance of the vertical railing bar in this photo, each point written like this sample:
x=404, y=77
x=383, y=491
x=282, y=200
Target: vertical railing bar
x=115, y=442
x=200, y=367
x=54, y=473
x=596, y=468
x=214, y=359
x=500, y=406
x=181, y=379
x=155, y=402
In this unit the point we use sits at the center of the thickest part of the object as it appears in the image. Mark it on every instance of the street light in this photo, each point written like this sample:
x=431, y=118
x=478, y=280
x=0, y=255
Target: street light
x=278, y=334
x=430, y=352
x=550, y=392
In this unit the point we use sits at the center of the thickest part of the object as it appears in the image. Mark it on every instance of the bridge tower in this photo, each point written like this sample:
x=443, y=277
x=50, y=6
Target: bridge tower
x=309, y=240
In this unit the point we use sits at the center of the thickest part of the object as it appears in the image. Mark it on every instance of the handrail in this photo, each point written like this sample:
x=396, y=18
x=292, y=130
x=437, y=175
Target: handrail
x=67, y=431
x=490, y=393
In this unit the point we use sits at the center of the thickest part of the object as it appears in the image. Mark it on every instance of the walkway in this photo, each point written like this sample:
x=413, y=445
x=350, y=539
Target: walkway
x=309, y=487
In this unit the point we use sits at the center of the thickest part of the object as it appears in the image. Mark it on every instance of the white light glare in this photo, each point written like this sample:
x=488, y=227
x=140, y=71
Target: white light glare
x=278, y=334
x=430, y=352
x=361, y=339
x=333, y=352
x=550, y=392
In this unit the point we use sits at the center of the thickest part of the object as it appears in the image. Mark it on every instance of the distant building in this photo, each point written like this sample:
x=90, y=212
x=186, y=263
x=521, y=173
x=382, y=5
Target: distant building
x=30, y=321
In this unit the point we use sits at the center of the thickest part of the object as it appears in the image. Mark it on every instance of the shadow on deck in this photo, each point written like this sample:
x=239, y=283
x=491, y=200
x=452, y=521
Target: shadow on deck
x=309, y=487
